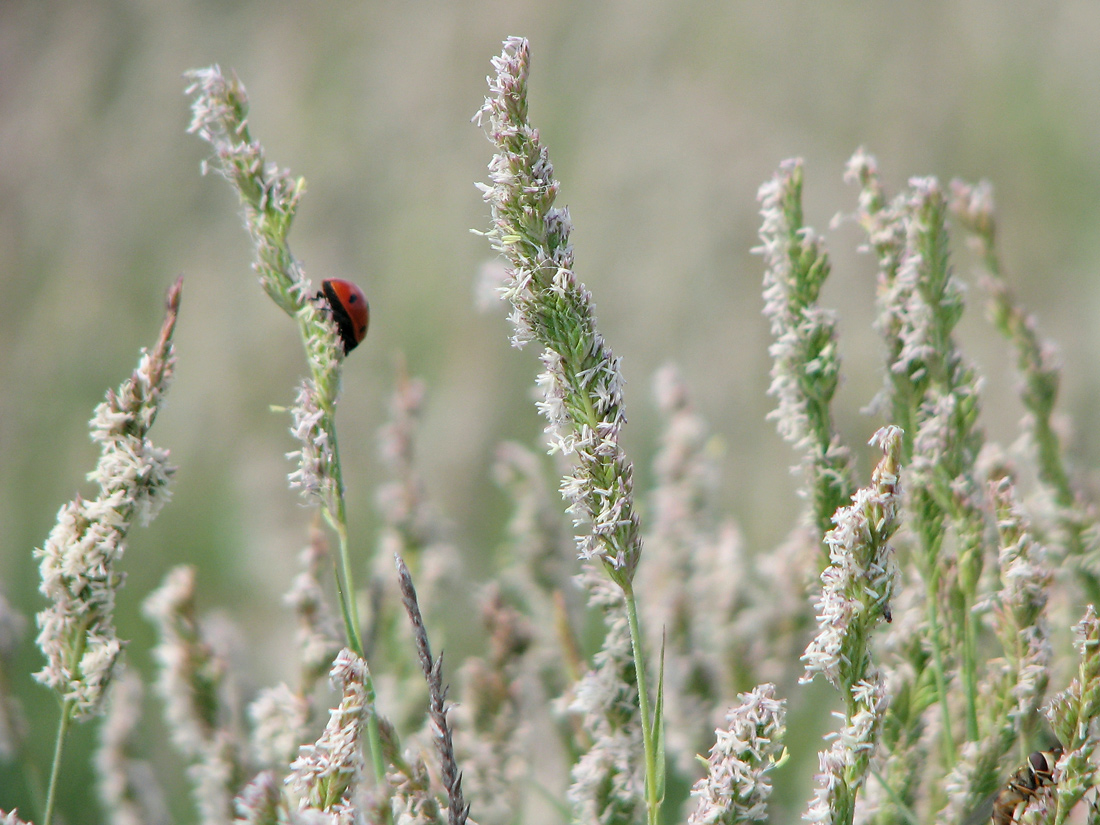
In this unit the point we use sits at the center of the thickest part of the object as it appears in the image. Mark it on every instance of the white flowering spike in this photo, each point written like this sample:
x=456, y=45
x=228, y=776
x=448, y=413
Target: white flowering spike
x=270, y=197
x=128, y=788
x=318, y=633
x=607, y=782
x=79, y=561
x=191, y=683
x=280, y=721
x=582, y=382
x=856, y=590
x=737, y=787
x=860, y=579
x=326, y=772
x=806, y=367
x=316, y=456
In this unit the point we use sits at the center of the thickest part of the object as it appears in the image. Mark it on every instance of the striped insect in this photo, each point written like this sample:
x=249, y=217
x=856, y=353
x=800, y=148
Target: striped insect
x=1024, y=785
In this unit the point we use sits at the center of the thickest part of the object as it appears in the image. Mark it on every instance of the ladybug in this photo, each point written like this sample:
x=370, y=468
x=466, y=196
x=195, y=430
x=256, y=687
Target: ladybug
x=349, y=309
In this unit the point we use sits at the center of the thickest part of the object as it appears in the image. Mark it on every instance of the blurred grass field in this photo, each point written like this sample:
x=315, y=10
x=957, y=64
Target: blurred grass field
x=662, y=120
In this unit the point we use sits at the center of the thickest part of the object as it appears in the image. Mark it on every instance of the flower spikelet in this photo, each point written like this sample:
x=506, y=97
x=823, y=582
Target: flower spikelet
x=1072, y=714
x=325, y=773
x=191, y=683
x=581, y=383
x=127, y=786
x=737, y=786
x=219, y=115
x=413, y=801
x=607, y=780
x=806, y=366
x=1021, y=613
x=844, y=767
x=860, y=579
x=316, y=456
x=270, y=197
x=79, y=560
x=317, y=633
x=1040, y=369
x=1018, y=686
x=261, y=802
x=280, y=720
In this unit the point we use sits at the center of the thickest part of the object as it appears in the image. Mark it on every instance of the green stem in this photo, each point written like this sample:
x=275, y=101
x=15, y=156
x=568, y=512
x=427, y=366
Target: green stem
x=345, y=588
x=374, y=735
x=351, y=621
x=653, y=804
x=62, y=731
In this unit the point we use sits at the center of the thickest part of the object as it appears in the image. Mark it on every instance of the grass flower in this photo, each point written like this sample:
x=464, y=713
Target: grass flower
x=1016, y=686
x=261, y=801
x=581, y=382
x=1072, y=714
x=1038, y=364
x=490, y=721
x=532, y=553
x=325, y=774
x=860, y=580
x=191, y=684
x=270, y=197
x=737, y=786
x=688, y=554
x=80, y=558
x=856, y=591
x=412, y=525
x=128, y=788
x=806, y=362
x=79, y=561
x=934, y=394
x=607, y=783
x=317, y=633
x=280, y=721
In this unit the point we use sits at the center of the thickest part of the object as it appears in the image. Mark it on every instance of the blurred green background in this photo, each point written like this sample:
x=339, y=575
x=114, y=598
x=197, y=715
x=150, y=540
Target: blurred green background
x=662, y=120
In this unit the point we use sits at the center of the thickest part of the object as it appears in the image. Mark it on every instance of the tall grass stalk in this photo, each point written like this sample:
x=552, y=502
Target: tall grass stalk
x=270, y=197
x=582, y=381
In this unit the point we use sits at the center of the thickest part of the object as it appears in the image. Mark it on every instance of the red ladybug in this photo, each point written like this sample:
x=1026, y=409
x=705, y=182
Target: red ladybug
x=349, y=309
